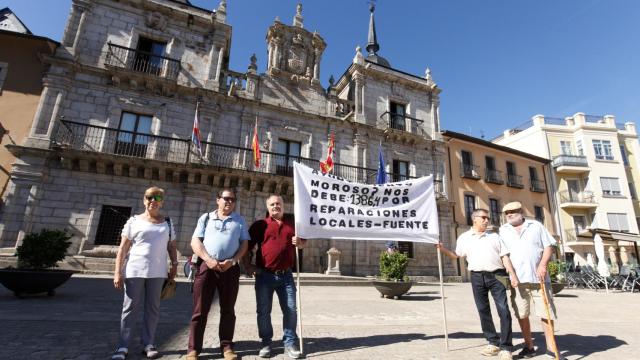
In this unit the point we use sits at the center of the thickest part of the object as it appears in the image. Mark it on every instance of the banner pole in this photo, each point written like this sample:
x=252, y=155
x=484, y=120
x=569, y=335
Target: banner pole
x=444, y=307
x=298, y=300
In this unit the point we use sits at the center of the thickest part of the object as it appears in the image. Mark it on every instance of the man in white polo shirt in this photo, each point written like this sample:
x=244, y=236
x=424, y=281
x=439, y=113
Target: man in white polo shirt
x=488, y=258
x=531, y=247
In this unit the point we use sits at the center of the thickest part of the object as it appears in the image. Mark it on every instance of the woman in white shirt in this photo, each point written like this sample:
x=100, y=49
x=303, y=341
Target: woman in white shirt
x=148, y=240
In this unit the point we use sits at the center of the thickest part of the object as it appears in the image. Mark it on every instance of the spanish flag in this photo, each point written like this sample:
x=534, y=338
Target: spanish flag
x=327, y=165
x=255, y=145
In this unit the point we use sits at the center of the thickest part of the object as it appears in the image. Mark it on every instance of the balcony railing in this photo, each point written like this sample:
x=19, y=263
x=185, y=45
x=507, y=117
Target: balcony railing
x=569, y=160
x=344, y=107
x=583, y=197
x=571, y=235
x=469, y=171
x=402, y=122
x=79, y=136
x=515, y=181
x=141, y=61
x=493, y=176
x=537, y=186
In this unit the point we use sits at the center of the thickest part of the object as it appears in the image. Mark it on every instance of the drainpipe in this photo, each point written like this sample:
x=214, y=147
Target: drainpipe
x=553, y=200
x=453, y=209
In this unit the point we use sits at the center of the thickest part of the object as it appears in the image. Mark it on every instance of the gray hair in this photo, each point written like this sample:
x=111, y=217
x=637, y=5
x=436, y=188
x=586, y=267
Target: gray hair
x=477, y=212
x=266, y=201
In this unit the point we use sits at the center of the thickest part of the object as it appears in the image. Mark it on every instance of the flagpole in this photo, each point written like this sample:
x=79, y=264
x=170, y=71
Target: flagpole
x=444, y=307
x=298, y=296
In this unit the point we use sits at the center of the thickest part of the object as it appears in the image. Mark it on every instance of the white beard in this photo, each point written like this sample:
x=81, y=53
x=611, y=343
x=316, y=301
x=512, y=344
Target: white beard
x=516, y=220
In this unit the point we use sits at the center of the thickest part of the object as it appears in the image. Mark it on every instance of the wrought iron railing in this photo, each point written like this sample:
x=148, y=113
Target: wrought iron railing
x=493, y=176
x=402, y=122
x=537, y=185
x=515, y=181
x=93, y=138
x=569, y=160
x=142, y=61
x=469, y=171
x=584, y=197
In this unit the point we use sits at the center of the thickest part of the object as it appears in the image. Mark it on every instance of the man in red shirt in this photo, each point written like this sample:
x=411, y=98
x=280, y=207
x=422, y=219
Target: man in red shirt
x=276, y=240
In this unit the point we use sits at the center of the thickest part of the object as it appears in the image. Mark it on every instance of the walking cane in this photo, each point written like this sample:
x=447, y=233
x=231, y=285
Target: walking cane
x=549, y=321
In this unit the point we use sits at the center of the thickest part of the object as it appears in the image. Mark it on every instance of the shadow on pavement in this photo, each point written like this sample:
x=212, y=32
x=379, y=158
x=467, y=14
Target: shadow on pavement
x=329, y=345
x=583, y=345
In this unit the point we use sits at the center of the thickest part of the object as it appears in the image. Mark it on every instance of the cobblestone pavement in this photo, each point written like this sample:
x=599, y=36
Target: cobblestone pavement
x=339, y=322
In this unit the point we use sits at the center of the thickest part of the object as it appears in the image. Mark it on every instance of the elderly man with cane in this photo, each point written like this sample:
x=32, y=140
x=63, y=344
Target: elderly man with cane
x=531, y=247
x=489, y=264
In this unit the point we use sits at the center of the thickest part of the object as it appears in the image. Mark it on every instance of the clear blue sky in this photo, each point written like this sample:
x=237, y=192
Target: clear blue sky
x=498, y=62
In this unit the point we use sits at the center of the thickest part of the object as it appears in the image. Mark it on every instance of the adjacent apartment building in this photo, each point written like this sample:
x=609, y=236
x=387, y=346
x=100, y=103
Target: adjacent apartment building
x=487, y=176
x=595, y=178
x=118, y=107
x=21, y=82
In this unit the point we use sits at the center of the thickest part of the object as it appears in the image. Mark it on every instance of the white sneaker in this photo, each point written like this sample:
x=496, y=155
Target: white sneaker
x=505, y=355
x=265, y=352
x=490, y=350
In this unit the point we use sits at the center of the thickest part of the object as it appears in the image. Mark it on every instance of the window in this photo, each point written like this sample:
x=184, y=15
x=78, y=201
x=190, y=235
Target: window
x=533, y=173
x=490, y=162
x=469, y=207
x=288, y=152
x=112, y=220
x=623, y=153
x=602, y=148
x=406, y=247
x=133, y=134
x=632, y=191
x=511, y=168
x=610, y=186
x=4, y=69
x=397, y=116
x=618, y=222
x=467, y=168
x=400, y=170
x=579, y=223
x=494, y=211
x=579, y=147
x=565, y=148
x=150, y=56
x=539, y=213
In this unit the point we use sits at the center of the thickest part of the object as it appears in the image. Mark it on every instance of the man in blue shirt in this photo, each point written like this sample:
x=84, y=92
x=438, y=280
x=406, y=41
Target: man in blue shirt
x=219, y=240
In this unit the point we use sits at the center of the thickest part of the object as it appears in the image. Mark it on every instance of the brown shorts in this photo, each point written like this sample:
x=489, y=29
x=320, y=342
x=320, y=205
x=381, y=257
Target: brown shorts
x=527, y=293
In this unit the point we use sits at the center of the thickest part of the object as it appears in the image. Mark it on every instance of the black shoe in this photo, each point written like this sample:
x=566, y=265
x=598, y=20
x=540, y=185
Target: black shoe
x=526, y=353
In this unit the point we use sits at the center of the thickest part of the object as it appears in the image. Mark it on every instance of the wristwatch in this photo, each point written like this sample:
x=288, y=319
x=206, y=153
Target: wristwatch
x=234, y=262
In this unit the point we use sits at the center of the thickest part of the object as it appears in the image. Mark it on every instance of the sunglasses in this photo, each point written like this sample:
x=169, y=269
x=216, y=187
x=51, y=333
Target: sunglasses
x=228, y=199
x=483, y=217
x=157, y=198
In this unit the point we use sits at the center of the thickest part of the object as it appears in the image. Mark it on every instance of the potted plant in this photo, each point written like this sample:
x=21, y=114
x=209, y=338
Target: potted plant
x=556, y=270
x=37, y=256
x=393, y=281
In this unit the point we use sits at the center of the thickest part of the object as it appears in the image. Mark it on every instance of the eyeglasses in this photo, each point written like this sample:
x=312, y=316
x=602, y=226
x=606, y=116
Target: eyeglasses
x=508, y=212
x=483, y=217
x=228, y=199
x=157, y=198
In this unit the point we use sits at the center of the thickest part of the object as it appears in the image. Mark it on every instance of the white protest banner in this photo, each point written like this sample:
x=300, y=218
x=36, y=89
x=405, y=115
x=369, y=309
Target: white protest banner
x=329, y=207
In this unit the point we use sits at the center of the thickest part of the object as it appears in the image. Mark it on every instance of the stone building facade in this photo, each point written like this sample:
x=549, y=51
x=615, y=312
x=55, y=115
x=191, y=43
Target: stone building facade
x=116, y=117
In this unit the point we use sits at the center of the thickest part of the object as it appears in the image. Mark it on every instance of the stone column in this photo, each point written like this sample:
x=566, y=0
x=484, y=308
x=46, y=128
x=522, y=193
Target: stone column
x=80, y=30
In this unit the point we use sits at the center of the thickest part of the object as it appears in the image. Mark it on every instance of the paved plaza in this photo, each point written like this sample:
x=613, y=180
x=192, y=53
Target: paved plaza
x=339, y=322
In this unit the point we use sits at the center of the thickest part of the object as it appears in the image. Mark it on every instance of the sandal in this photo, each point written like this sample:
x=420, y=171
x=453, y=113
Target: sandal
x=151, y=352
x=120, y=354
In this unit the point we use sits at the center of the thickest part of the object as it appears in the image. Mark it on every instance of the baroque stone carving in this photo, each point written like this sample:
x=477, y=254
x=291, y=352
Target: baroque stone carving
x=155, y=20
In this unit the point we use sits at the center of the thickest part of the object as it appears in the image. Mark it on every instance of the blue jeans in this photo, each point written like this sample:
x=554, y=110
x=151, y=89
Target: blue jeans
x=285, y=288
x=482, y=283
